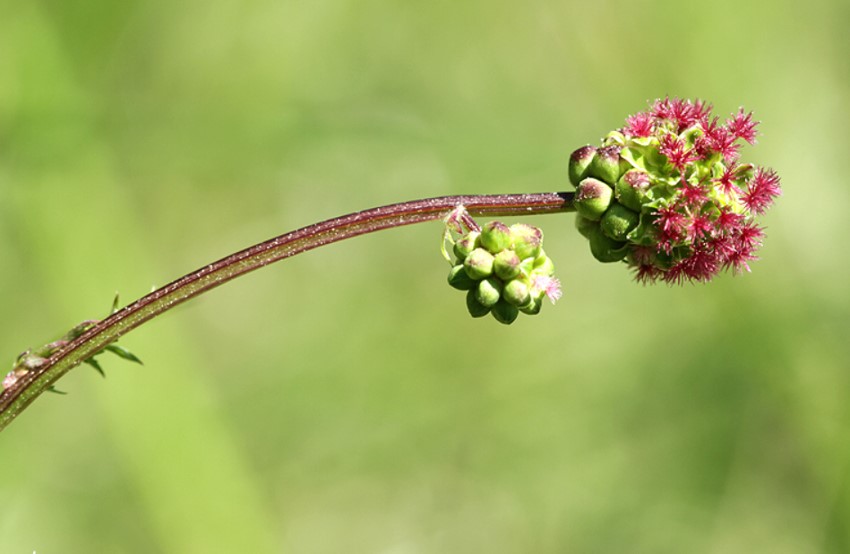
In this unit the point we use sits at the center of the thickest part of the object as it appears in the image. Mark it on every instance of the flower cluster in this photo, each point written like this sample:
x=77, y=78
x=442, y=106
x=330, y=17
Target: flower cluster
x=668, y=195
x=504, y=271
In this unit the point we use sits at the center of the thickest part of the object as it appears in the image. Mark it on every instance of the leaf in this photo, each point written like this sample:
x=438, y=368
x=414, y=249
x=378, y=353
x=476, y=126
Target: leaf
x=94, y=363
x=122, y=352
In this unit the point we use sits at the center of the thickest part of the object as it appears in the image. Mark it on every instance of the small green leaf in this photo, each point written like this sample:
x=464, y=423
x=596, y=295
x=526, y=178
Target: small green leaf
x=122, y=352
x=94, y=363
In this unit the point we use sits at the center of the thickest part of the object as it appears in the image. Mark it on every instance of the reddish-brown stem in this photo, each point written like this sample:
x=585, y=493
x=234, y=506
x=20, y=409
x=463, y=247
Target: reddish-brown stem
x=19, y=395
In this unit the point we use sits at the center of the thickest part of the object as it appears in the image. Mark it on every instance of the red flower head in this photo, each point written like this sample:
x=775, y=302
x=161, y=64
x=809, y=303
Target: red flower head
x=682, y=207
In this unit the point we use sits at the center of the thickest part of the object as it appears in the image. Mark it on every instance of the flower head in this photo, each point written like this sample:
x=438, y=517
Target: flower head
x=682, y=207
x=504, y=269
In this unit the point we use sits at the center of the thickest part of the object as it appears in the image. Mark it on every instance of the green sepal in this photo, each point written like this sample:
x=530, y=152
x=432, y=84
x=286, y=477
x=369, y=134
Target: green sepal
x=585, y=226
x=618, y=221
x=533, y=306
x=543, y=265
x=475, y=308
x=505, y=313
x=459, y=279
x=466, y=244
x=605, y=249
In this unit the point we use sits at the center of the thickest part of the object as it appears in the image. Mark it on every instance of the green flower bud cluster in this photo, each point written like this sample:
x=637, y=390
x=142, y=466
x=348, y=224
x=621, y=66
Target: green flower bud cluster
x=504, y=271
x=667, y=195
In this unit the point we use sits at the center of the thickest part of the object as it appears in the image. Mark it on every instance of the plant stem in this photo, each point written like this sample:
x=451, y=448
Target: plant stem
x=29, y=386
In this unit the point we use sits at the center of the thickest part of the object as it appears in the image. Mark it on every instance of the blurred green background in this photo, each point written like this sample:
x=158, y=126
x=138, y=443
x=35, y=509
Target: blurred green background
x=343, y=401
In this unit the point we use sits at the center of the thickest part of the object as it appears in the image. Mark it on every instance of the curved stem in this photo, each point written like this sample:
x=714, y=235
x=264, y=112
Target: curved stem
x=19, y=395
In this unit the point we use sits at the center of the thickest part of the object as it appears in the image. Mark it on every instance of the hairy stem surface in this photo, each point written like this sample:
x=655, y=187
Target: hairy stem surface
x=14, y=399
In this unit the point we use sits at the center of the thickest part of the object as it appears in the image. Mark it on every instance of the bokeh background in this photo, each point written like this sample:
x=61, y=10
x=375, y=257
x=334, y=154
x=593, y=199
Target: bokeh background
x=343, y=401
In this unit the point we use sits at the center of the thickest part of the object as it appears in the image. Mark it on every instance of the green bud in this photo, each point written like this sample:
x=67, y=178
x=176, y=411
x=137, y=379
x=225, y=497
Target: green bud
x=592, y=198
x=479, y=264
x=495, y=236
x=488, y=292
x=527, y=240
x=506, y=265
x=606, y=249
x=459, y=279
x=543, y=265
x=505, y=313
x=516, y=293
x=618, y=221
x=532, y=307
x=631, y=190
x=579, y=163
x=476, y=309
x=585, y=226
x=606, y=164
x=466, y=244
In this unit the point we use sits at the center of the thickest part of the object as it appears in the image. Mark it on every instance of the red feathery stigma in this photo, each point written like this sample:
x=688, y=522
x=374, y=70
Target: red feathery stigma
x=727, y=181
x=646, y=274
x=677, y=152
x=737, y=260
x=682, y=112
x=670, y=220
x=640, y=125
x=761, y=191
x=694, y=195
x=728, y=222
x=742, y=126
x=750, y=235
x=700, y=226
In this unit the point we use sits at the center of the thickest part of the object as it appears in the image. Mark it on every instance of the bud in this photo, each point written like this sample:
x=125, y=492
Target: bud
x=504, y=312
x=527, y=240
x=543, y=265
x=479, y=264
x=516, y=293
x=606, y=165
x=606, y=249
x=459, y=279
x=618, y=221
x=580, y=162
x=488, y=292
x=533, y=306
x=466, y=244
x=506, y=265
x=592, y=198
x=495, y=236
x=585, y=226
x=476, y=309
x=632, y=188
